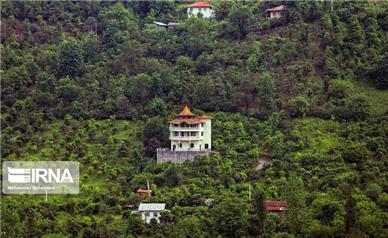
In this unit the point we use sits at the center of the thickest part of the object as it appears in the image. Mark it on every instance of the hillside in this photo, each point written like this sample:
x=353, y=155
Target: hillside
x=97, y=83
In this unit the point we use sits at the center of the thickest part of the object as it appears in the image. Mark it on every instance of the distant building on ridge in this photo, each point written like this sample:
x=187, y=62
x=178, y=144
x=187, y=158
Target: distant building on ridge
x=203, y=8
x=275, y=12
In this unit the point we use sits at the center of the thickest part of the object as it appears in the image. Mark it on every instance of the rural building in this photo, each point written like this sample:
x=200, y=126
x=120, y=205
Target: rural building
x=143, y=193
x=200, y=8
x=149, y=211
x=189, y=132
x=190, y=136
x=275, y=12
x=277, y=207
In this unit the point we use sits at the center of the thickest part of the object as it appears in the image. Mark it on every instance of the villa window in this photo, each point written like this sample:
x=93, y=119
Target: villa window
x=193, y=133
x=176, y=133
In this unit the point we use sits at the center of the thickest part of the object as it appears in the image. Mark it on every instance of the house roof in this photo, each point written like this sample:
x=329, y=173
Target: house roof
x=158, y=23
x=276, y=206
x=187, y=120
x=151, y=207
x=186, y=112
x=276, y=9
x=140, y=190
x=190, y=118
x=200, y=5
x=205, y=117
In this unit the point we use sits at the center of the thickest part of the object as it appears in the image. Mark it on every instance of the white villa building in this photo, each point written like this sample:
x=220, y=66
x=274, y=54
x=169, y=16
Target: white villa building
x=203, y=8
x=149, y=211
x=190, y=136
x=189, y=132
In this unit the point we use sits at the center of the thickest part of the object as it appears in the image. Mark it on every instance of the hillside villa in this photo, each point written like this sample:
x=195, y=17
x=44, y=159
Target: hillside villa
x=190, y=136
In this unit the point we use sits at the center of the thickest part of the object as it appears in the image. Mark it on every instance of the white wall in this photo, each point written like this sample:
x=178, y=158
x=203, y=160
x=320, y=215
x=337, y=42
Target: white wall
x=147, y=219
x=199, y=140
x=207, y=133
x=185, y=145
x=206, y=12
x=276, y=14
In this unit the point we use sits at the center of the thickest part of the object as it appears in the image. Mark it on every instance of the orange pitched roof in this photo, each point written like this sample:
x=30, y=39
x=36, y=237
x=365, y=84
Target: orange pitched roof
x=186, y=112
x=200, y=5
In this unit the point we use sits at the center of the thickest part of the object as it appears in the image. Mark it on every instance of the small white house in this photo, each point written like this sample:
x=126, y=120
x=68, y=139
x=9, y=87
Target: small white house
x=200, y=8
x=275, y=12
x=149, y=211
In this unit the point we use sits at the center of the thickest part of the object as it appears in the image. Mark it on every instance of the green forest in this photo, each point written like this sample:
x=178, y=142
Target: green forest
x=97, y=82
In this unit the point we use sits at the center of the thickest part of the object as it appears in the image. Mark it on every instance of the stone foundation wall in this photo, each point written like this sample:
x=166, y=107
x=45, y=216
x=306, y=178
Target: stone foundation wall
x=177, y=157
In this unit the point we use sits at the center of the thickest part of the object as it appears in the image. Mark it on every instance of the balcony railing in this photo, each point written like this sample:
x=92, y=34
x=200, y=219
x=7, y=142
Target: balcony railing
x=186, y=138
x=173, y=128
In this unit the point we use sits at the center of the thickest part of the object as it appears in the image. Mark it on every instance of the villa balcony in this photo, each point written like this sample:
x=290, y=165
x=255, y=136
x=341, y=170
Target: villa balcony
x=186, y=138
x=198, y=129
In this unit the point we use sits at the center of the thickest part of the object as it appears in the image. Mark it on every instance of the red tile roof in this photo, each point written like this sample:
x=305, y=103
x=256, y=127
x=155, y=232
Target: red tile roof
x=276, y=206
x=200, y=5
x=187, y=120
x=276, y=9
x=140, y=190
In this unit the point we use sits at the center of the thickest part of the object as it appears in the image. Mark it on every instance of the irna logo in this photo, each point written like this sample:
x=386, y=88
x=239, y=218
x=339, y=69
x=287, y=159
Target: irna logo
x=39, y=175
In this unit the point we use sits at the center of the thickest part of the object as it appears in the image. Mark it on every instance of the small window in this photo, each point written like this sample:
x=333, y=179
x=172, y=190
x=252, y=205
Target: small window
x=202, y=124
x=193, y=133
x=176, y=134
x=180, y=145
x=206, y=146
x=201, y=133
x=192, y=145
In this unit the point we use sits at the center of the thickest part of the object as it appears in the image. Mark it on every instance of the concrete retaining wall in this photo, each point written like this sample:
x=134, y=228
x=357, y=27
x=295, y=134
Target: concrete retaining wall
x=177, y=157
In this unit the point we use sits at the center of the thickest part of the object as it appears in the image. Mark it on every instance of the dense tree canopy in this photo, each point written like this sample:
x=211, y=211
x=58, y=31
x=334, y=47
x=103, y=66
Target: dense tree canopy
x=97, y=82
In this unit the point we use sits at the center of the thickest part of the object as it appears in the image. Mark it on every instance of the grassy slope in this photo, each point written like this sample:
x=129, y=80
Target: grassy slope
x=378, y=98
x=94, y=182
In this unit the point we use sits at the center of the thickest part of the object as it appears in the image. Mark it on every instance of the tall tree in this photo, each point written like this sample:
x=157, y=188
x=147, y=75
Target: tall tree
x=350, y=213
x=266, y=92
x=70, y=58
x=259, y=212
x=295, y=198
x=231, y=217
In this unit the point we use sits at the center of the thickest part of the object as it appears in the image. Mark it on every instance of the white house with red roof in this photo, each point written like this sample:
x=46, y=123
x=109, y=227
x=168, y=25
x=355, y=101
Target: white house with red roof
x=275, y=12
x=200, y=8
x=189, y=132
